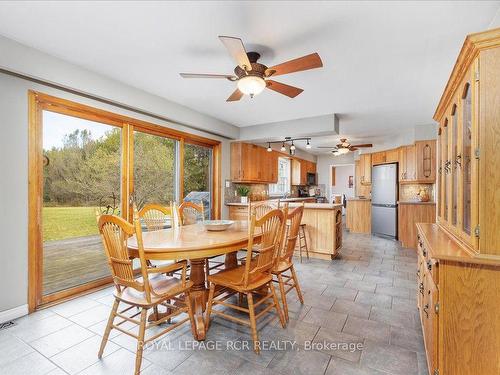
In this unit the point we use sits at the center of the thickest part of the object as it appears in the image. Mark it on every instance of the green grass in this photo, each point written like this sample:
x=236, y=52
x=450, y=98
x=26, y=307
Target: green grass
x=67, y=222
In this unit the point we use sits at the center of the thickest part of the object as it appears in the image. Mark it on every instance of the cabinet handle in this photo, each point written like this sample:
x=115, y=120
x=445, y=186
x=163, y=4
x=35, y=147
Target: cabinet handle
x=426, y=310
x=458, y=161
x=421, y=288
x=429, y=265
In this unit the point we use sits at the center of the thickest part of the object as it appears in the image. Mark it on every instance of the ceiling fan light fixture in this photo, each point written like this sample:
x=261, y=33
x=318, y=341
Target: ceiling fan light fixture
x=251, y=85
x=336, y=153
x=343, y=151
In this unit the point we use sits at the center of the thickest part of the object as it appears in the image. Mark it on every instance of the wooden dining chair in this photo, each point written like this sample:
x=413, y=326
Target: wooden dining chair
x=284, y=262
x=149, y=291
x=262, y=207
x=191, y=213
x=157, y=216
x=252, y=277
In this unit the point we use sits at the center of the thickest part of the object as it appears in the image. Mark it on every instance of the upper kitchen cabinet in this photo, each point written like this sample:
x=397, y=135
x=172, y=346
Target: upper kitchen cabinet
x=385, y=157
x=392, y=156
x=251, y=163
x=300, y=169
x=365, y=166
x=378, y=158
x=407, y=164
x=426, y=161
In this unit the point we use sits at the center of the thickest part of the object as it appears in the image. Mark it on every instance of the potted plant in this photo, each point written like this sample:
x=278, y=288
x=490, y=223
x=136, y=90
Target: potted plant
x=243, y=192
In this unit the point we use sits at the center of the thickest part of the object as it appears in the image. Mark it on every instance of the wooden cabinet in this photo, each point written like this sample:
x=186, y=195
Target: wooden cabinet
x=251, y=163
x=359, y=215
x=392, y=156
x=365, y=162
x=461, y=323
x=469, y=139
x=300, y=169
x=407, y=163
x=408, y=215
x=297, y=175
x=378, y=158
x=238, y=212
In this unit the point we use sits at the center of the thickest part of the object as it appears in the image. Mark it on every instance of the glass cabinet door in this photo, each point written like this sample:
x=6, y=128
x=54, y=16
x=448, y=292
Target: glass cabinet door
x=466, y=158
x=439, y=173
x=455, y=165
x=445, y=165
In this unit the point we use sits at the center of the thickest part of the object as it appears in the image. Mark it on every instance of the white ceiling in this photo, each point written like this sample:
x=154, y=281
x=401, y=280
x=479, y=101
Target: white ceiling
x=385, y=63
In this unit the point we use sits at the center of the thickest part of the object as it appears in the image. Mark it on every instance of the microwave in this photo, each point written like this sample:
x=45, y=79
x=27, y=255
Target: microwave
x=311, y=178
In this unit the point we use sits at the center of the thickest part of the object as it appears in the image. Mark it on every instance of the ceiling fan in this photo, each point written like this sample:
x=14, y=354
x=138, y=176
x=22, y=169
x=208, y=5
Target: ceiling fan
x=253, y=77
x=344, y=147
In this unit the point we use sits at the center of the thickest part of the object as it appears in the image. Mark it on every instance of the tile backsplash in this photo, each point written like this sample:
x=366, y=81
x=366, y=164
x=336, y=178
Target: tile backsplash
x=258, y=192
x=408, y=192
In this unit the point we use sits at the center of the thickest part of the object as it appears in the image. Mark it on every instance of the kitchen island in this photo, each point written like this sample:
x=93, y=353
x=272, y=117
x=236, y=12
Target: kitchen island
x=323, y=226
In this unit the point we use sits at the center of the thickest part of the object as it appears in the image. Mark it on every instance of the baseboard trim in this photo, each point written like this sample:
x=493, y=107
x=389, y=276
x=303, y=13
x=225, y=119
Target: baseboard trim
x=14, y=313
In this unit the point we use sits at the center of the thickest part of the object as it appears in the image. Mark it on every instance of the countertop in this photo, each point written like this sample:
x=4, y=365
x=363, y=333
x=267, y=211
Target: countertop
x=322, y=206
x=274, y=199
x=415, y=202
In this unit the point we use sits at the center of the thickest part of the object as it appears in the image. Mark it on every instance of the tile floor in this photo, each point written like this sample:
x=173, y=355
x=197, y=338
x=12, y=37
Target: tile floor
x=366, y=297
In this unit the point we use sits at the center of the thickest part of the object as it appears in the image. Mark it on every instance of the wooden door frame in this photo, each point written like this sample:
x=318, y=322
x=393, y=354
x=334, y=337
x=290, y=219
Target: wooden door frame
x=37, y=103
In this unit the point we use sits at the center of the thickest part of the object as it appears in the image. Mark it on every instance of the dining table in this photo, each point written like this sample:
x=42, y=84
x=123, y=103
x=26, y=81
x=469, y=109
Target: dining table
x=195, y=244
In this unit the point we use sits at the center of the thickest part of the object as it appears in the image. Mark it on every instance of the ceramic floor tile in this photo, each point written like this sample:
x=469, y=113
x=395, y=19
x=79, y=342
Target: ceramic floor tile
x=118, y=363
x=32, y=364
x=300, y=362
x=82, y=355
x=339, y=344
x=389, y=358
x=340, y=367
x=351, y=308
x=330, y=319
x=30, y=330
x=63, y=339
x=12, y=348
x=368, y=329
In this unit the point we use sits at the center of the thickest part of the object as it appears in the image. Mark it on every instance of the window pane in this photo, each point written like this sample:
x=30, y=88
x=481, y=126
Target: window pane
x=154, y=169
x=81, y=173
x=198, y=175
x=283, y=186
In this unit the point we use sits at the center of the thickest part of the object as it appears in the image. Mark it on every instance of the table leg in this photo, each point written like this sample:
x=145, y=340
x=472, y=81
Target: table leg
x=231, y=260
x=199, y=295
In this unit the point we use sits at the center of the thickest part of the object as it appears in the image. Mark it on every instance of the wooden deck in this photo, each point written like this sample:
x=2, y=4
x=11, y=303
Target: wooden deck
x=72, y=262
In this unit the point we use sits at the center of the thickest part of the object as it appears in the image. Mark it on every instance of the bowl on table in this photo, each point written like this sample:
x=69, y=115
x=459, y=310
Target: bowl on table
x=217, y=225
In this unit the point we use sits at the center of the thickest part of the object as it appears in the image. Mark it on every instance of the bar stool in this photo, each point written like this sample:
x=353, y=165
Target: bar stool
x=303, y=241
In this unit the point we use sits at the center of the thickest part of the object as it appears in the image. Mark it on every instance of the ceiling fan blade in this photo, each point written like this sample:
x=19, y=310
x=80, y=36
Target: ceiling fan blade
x=235, y=96
x=363, y=145
x=287, y=90
x=311, y=61
x=237, y=50
x=195, y=75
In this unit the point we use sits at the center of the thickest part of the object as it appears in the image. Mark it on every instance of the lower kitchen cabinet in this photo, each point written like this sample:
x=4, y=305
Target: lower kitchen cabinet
x=359, y=215
x=409, y=214
x=458, y=297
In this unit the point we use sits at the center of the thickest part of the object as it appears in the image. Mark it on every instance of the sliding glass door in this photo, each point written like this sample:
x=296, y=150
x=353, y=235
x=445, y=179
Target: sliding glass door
x=85, y=161
x=81, y=174
x=197, y=181
x=155, y=169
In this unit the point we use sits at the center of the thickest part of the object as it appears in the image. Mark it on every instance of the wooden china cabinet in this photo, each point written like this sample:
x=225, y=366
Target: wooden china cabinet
x=458, y=271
